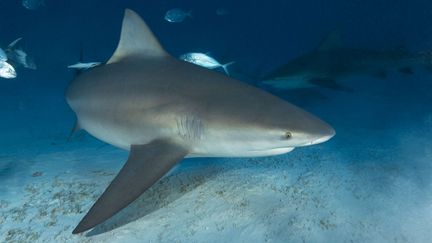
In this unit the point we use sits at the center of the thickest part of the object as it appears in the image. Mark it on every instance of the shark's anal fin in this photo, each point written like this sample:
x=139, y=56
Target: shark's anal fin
x=146, y=165
x=136, y=40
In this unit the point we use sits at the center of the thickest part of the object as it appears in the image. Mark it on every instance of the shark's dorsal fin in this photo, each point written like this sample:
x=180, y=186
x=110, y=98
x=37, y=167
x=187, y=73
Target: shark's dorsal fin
x=331, y=41
x=136, y=39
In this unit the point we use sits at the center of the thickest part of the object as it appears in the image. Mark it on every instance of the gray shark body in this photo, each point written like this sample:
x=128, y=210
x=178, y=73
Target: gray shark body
x=163, y=110
x=332, y=62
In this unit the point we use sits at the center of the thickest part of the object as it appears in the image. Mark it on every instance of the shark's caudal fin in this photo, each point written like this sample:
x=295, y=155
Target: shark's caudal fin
x=136, y=40
x=331, y=42
x=146, y=164
x=225, y=67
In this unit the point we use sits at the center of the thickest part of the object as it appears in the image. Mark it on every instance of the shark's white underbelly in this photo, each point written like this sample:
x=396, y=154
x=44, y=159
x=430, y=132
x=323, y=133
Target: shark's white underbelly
x=233, y=152
x=185, y=130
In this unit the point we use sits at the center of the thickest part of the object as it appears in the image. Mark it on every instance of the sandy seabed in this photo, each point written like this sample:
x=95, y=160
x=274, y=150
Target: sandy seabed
x=316, y=194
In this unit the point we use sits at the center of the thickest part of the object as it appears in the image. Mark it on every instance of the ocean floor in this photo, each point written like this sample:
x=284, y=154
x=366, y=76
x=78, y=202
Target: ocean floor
x=316, y=194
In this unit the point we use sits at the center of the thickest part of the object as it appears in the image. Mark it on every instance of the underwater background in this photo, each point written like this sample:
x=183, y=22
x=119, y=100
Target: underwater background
x=370, y=183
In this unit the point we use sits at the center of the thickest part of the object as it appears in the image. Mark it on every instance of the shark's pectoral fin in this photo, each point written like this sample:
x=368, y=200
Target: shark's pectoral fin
x=329, y=84
x=146, y=165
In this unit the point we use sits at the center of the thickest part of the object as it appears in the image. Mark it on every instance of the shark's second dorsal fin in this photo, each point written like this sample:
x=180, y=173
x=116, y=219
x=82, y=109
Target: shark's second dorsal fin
x=136, y=39
x=331, y=41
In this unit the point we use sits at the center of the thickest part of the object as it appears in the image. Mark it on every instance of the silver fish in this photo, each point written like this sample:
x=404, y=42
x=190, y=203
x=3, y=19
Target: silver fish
x=33, y=4
x=22, y=58
x=7, y=71
x=87, y=65
x=13, y=43
x=3, y=56
x=221, y=12
x=18, y=56
x=177, y=15
x=204, y=60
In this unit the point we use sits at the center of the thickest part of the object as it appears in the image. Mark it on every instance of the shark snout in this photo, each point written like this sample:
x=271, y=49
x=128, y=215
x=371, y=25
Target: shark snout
x=321, y=135
x=325, y=137
x=311, y=130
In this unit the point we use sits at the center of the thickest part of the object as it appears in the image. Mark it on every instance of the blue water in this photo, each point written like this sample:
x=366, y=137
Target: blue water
x=373, y=178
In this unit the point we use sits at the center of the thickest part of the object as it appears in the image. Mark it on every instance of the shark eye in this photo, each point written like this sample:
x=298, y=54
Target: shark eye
x=287, y=135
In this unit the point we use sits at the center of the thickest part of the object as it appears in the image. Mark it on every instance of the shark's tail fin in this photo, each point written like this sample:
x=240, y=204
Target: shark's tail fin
x=225, y=67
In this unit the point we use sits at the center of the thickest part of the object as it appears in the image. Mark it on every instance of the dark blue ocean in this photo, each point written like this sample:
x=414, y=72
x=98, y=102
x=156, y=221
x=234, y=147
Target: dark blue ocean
x=371, y=182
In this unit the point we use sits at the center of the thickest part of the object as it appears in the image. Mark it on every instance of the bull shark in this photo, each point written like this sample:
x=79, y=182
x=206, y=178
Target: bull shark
x=331, y=61
x=162, y=110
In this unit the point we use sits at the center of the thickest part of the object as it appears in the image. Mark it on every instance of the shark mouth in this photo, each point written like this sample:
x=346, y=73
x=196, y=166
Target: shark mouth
x=280, y=150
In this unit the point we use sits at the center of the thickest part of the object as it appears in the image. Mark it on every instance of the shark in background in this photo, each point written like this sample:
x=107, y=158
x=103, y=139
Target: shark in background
x=162, y=110
x=331, y=62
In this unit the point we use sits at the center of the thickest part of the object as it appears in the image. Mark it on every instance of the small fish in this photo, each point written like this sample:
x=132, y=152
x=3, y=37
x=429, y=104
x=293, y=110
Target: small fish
x=7, y=71
x=221, y=12
x=13, y=43
x=18, y=56
x=33, y=4
x=87, y=65
x=3, y=56
x=177, y=15
x=204, y=60
x=22, y=58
